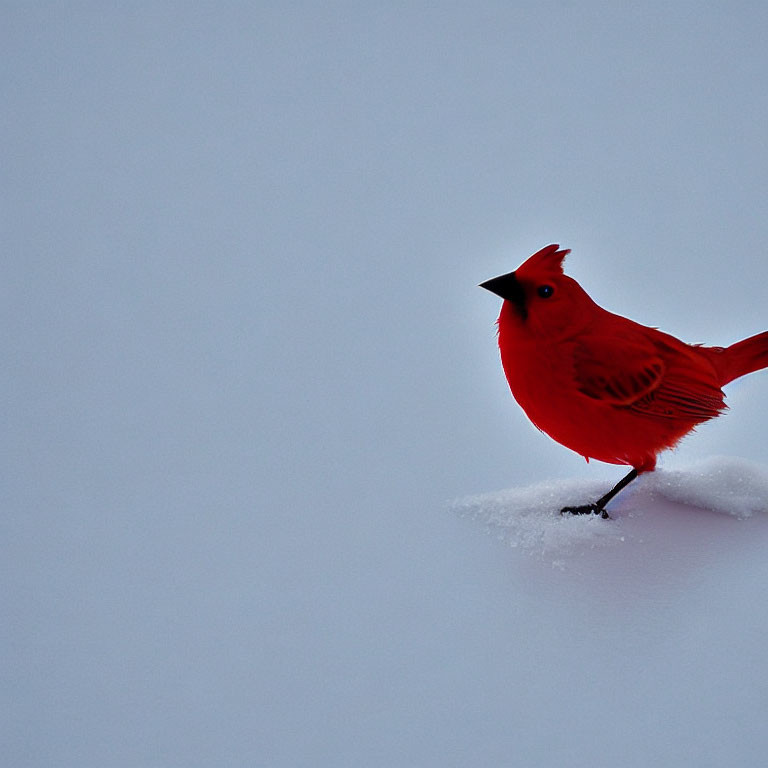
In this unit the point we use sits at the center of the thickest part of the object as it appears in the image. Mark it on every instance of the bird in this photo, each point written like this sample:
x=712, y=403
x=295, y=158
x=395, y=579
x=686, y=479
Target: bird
x=600, y=384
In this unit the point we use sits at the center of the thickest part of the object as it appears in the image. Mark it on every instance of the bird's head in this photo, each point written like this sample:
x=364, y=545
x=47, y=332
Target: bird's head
x=540, y=301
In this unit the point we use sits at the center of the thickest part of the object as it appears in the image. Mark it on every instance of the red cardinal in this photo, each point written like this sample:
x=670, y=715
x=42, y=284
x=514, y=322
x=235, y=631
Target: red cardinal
x=600, y=384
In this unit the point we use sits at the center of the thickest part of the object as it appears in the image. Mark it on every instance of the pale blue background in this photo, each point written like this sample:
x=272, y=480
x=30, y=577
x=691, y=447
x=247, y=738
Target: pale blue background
x=246, y=367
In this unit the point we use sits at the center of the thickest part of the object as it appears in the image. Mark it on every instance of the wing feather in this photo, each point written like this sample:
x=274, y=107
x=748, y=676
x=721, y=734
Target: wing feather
x=642, y=377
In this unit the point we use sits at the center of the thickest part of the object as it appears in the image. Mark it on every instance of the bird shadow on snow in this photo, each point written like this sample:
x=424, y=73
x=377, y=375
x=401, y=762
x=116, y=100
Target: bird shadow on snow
x=674, y=510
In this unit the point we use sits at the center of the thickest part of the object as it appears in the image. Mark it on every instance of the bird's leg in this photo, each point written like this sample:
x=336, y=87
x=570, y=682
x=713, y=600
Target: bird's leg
x=598, y=508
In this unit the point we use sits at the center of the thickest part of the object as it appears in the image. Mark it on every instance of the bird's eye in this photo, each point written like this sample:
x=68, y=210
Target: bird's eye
x=545, y=291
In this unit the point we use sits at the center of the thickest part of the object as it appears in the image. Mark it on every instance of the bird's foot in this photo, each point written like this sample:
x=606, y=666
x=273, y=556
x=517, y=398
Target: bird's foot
x=586, y=509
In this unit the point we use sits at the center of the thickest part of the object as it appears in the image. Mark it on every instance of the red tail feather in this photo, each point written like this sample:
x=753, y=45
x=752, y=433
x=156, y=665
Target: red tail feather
x=742, y=358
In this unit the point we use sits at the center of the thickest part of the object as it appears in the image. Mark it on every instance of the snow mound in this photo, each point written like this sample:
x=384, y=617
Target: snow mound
x=529, y=517
x=722, y=484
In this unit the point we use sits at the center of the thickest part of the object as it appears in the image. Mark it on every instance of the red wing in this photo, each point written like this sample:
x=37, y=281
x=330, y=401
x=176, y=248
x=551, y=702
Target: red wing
x=617, y=374
x=671, y=401
x=676, y=386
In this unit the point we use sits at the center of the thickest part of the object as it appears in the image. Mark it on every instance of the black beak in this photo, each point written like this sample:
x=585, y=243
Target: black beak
x=509, y=288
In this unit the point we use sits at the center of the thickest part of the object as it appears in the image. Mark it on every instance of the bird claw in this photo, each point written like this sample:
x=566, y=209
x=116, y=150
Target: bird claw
x=586, y=509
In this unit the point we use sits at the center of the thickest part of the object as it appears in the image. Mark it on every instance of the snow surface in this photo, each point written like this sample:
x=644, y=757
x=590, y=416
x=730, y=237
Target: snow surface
x=642, y=638
x=529, y=517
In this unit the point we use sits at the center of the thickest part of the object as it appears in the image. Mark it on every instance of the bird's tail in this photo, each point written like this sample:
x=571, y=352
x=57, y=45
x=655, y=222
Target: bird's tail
x=741, y=358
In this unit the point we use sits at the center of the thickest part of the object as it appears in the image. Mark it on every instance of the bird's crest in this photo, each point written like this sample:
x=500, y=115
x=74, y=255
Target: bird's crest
x=548, y=259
